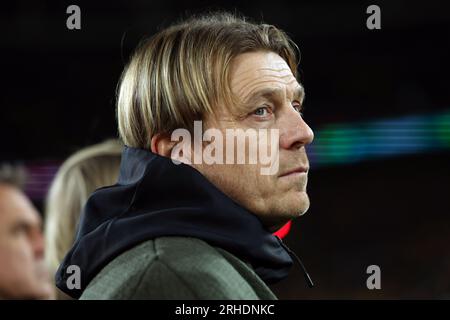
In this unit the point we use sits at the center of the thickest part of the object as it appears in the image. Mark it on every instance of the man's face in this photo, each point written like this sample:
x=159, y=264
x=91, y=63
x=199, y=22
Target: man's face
x=23, y=274
x=270, y=98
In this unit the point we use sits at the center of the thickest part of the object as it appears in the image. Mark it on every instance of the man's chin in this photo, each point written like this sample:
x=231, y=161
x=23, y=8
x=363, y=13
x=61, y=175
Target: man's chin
x=45, y=291
x=274, y=223
x=294, y=206
x=297, y=208
x=302, y=204
x=302, y=210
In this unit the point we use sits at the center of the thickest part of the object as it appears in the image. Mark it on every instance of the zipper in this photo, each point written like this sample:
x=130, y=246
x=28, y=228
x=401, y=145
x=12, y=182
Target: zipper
x=292, y=254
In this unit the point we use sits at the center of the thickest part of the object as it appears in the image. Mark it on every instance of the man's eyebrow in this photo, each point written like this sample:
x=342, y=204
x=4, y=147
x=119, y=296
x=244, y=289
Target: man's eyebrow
x=21, y=225
x=26, y=224
x=299, y=93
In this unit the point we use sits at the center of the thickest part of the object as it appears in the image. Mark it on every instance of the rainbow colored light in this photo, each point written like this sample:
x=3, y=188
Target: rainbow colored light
x=353, y=142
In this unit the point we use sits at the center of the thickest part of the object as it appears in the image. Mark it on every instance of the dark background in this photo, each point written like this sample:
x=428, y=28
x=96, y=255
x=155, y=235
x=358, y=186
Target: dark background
x=58, y=95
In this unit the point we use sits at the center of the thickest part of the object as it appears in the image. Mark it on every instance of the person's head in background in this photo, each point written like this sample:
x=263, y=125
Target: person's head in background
x=79, y=176
x=23, y=272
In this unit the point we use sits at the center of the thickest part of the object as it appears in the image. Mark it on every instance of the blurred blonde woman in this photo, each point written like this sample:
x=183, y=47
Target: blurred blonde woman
x=80, y=175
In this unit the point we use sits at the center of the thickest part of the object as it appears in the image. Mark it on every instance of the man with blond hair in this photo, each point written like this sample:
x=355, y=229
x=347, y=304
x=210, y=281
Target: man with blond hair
x=204, y=106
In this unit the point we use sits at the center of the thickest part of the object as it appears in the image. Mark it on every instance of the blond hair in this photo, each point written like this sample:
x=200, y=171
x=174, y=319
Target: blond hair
x=83, y=172
x=181, y=74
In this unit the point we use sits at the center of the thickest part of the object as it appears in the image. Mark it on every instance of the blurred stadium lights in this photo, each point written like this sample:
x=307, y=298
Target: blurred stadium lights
x=354, y=142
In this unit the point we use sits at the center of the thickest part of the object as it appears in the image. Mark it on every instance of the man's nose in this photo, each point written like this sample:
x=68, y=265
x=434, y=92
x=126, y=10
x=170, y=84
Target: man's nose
x=38, y=244
x=294, y=132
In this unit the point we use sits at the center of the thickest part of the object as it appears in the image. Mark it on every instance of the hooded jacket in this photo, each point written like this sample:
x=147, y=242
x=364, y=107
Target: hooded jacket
x=155, y=198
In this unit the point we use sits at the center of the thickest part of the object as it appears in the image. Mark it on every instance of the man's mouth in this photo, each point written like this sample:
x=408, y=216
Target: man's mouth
x=42, y=271
x=295, y=172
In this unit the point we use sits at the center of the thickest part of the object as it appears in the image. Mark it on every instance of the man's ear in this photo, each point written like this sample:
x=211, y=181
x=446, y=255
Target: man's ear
x=161, y=144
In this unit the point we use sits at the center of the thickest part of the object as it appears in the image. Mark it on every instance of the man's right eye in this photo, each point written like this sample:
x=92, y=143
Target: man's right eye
x=21, y=228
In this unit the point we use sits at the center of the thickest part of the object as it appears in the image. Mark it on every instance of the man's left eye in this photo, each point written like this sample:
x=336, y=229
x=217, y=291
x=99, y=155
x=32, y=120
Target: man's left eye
x=262, y=112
